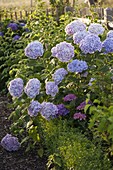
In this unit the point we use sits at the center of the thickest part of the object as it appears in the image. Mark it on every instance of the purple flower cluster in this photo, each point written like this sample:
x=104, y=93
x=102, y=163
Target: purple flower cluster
x=34, y=50
x=16, y=87
x=83, y=104
x=10, y=143
x=22, y=24
x=16, y=37
x=34, y=108
x=74, y=27
x=90, y=44
x=69, y=97
x=32, y=88
x=59, y=75
x=107, y=45
x=78, y=36
x=77, y=66
x=51, y=88
x=110, y=34
x=79, y=116
x=13, y=26
x=1, y=34
x=62, y=110
x=63, y=51
x=49, y=110
x=96, y=28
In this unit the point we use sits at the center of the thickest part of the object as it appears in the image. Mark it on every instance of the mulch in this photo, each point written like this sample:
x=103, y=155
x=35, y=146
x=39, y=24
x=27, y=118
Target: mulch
x=19, y=160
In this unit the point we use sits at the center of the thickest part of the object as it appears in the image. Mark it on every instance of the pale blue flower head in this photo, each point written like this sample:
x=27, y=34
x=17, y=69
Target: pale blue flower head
x=59, y=75
x=16, y=87
x=96, y=28
x=34, y=108
x=78, y=36
x=63, y=51
x=110, y=34
x=77, y=66
x=107, y=45
x=90, y=44
x=34, y=50
x=51, y=88
x=32, y=88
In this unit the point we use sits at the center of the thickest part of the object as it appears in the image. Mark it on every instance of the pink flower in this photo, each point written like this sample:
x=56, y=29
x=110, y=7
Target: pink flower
x=79, y=116
x=69, y=97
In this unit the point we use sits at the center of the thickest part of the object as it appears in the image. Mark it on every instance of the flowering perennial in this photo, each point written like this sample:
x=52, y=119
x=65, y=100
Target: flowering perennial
x=34, y=108
x=13, y=26
x=107, y=45
x=63, y=51
x=83, y=104
x=69, y=97
x=110, y=34
x=78, y=36
x=34, y=50
x=10, y=143
x=62, y=110
x=1, y=34
x=59, y=75
x=74, y=27
x=79, y=116
x=90, y=44
x=16, y=87
x=77, y=66
x=32, y=88
x=16, y=37
x=96, y=28
x=51, y=88
x=49, y=110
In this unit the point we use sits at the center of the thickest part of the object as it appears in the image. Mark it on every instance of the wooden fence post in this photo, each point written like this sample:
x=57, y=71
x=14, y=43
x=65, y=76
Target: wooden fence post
x=108, y=14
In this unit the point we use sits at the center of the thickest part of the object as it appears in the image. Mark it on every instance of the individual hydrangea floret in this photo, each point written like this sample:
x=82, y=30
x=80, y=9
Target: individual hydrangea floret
x=77, y=66
x=90, y=44
x=110, y=34
x=79, y=116
x=69, y=97
x=34, y=50
x=32, y=88
x=13, y=26
x=59, y=75
x=49, y=110
x=83, y=104
x=10, y=143
x=51, y=88
x=34, y=108
x=96, y=28
x=16, y=37
x=62, y=110
x=74, y=27
x=1, y=34
x=63, y=51
x=107, y=45
x=78, y=36
x=16, y=87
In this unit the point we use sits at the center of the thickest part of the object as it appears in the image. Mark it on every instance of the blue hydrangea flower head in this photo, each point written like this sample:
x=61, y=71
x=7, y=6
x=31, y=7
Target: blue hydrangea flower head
x=90, y=44
x=110, y=34
x=59, y=75
x=49, y=110
x=77, y=66
x=51, y=88
x=32, y=88
x=63, y=51
x=62, y=110
x=16, y=87
x=16, y=37
x=13, y=26
x=34, y=108
x=78, y=36
x=96, y=28
x=1, y=34
x=10, y=143
x=74, y=27
x=34, y=50
x=107, y=45
x=22, y=24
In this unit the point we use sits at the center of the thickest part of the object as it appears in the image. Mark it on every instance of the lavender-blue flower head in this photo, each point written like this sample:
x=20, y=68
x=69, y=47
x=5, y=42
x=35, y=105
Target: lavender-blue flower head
x=32, y=88
x=77, y=66
x=74, y=27
x=90, y=44
x=96, y=28
x=13, y=26
x=78, y=36
x=1, y=34
x=49, y=110
x=34, y=108
x=63, y=51
x=107, y=45
x=10, y=143
x=62, y=110
x=34, y=50
x=110, y=34
x=16, y=87
x=16, y=37
x=59, y=75
x=69, y=97
x=83, y=104
x=79, y=116
x=51, y=88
